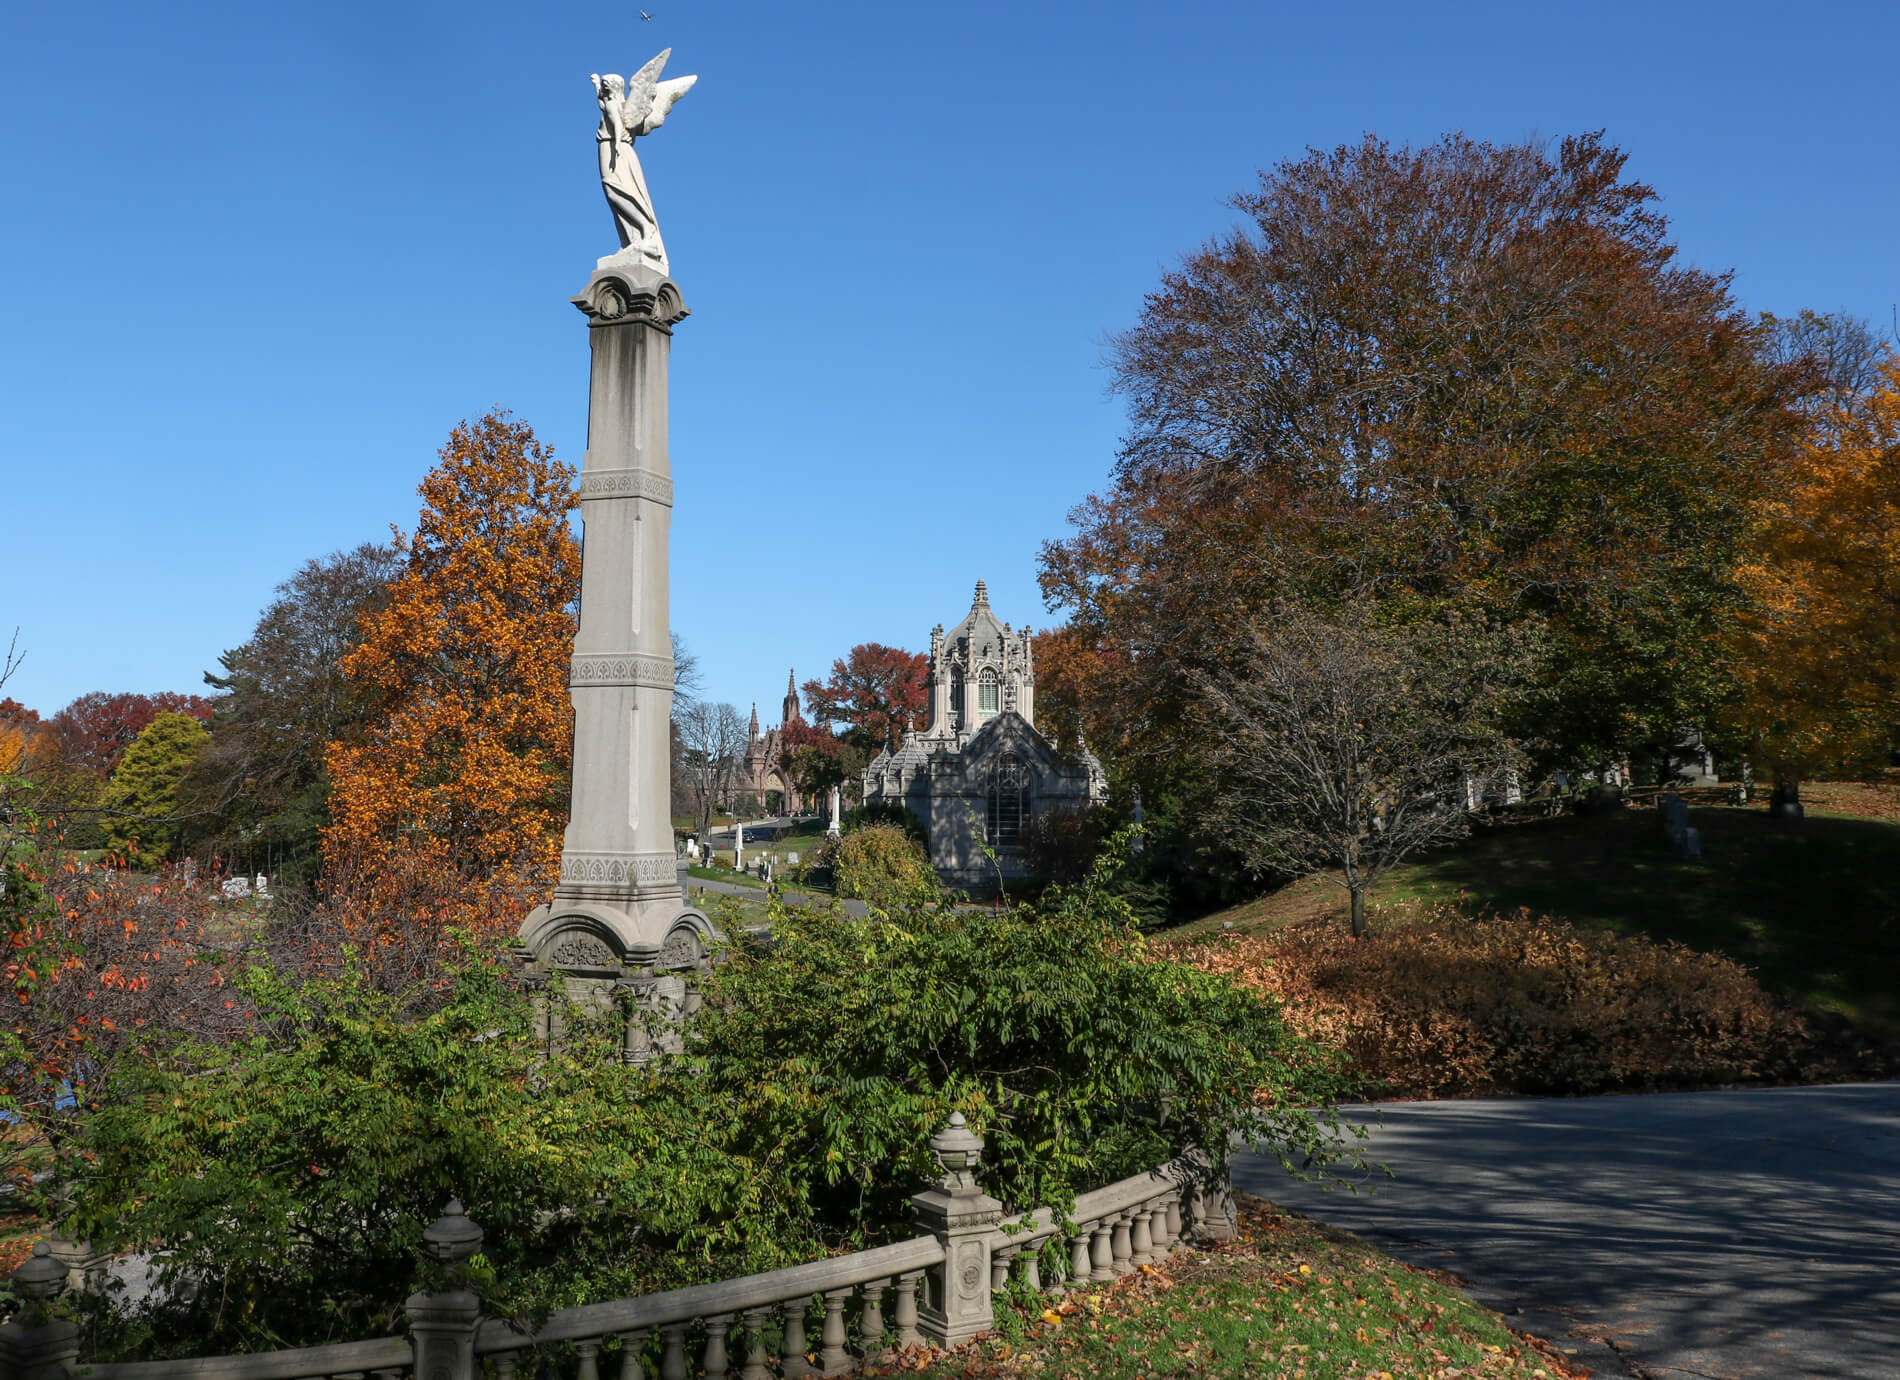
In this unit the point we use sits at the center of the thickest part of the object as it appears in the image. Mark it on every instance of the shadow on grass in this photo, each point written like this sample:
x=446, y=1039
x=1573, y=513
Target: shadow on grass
x=1812, y=906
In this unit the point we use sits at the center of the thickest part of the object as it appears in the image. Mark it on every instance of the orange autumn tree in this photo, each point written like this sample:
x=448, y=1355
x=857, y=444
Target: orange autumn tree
x=449, y=806
x=1821, y=645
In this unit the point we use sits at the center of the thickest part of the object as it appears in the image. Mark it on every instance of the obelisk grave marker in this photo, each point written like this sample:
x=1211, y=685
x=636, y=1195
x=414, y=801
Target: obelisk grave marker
x=618, y=915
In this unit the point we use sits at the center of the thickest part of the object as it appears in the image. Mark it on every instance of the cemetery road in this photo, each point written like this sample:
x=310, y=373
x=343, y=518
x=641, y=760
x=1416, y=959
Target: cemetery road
x=1739, y=1234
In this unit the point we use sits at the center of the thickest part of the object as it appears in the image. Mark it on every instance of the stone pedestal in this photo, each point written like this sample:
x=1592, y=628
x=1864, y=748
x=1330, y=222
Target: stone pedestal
x=618, y=913
x=956, y=1305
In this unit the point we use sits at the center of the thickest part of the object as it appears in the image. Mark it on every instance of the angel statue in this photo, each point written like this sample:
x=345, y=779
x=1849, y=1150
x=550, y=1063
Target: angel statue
x=629, y=109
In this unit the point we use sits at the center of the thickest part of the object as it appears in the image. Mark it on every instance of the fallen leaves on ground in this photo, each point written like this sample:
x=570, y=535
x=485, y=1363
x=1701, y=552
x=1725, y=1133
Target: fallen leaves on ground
x=1290, y=1299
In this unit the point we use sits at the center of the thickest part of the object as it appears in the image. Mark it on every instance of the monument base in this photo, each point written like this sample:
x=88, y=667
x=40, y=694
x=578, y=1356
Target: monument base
x=639, y=956
x=575, y=934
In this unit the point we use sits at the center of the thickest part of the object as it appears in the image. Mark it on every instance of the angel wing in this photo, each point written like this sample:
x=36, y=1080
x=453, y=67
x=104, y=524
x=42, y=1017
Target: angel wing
x=641, y=87
x=665, y=96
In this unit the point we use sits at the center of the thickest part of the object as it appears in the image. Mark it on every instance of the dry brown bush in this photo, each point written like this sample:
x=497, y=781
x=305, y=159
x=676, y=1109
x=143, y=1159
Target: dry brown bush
x=1450, y=1005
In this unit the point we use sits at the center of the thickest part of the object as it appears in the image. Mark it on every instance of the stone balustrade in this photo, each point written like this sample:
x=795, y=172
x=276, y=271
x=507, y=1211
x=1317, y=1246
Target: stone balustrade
x=824, y=1318
x=725, y=1325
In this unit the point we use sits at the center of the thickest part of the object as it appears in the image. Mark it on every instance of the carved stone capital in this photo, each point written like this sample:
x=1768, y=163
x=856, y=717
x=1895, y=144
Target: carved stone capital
x=631, y=293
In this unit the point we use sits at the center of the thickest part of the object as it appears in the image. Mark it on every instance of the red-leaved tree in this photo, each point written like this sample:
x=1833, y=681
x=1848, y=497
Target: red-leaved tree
x=96, y=729
x=879, y=691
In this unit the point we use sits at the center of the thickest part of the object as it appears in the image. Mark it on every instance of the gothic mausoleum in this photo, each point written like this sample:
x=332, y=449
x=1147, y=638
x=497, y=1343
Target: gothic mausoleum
x=980, y=772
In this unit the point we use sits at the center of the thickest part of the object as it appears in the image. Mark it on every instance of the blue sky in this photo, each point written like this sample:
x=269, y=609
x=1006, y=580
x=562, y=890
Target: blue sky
x=258, y=259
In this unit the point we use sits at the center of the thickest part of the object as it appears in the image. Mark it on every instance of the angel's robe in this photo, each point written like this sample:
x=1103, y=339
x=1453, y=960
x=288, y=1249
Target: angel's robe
x=626, y=185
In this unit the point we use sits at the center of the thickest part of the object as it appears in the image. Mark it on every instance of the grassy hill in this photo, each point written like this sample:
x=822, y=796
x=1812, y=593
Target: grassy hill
x=1813, y=907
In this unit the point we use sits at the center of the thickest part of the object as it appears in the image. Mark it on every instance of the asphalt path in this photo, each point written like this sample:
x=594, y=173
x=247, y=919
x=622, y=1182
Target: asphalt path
x=1737, y=1235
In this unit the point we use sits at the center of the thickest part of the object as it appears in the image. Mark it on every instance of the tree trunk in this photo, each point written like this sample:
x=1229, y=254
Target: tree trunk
x=1785, y=803
x=1358, y=912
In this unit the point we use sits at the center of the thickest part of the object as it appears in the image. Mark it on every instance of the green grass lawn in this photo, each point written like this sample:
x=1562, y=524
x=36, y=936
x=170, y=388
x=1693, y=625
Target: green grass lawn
x=1292, y=1298
x=1813, y=907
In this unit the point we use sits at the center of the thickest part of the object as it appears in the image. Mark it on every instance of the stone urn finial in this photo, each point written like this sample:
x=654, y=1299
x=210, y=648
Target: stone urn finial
x=958, y=1151
x=453, y=1237
x=41, y=1277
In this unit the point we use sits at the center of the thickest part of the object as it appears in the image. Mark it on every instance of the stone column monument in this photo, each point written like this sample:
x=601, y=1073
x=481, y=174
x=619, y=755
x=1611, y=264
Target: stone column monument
x=618, y=917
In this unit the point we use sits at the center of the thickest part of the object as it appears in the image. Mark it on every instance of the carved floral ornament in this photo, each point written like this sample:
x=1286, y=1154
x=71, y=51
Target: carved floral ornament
x=579, y=949
x=627, y=483
x=619, y=869
x=682, y=949
x=625, y=668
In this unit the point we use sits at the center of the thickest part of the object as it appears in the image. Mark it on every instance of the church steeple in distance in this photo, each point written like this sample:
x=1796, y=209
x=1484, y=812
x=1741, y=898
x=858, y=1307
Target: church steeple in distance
x=754, y=730
x=982, y=600
x=789, y=711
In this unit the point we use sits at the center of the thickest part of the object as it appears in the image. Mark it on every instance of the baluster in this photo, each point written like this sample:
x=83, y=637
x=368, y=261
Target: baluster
x=1123, y=1251
x=631, y=1345
x=504, y=1366
x=755, y=1363
x=833, y=1359
x=1102, y=1253
x=1032, y=1269
x=905, y=1314
x=1158, y=1230
x=1141, y=1246
x=1079, y=1257
x=589, y=1352
x=673, y=1355
x=1174, y=1219
x=871, y=1319
x=717, y=1362
x=793, y=1362
x=999, y=1267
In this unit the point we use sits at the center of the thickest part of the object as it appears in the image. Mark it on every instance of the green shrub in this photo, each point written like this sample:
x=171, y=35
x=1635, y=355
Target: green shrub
x=881, y=864
x=1453, y=1005
x=883, y=812
x=1080, y=1055
x=290, y=1175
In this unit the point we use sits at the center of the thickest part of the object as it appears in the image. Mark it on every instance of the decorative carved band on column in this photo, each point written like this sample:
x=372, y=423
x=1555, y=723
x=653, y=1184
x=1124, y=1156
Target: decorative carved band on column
x=621, y=668
x=634, y=483
x=621, y=869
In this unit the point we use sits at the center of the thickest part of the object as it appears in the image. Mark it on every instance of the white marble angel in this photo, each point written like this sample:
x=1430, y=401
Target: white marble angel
x=628, y=109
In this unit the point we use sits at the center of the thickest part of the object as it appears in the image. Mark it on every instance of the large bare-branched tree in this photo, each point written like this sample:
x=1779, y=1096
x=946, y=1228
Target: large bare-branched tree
x=1343, y=746
x=712, y=741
